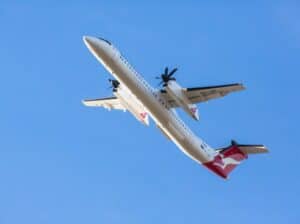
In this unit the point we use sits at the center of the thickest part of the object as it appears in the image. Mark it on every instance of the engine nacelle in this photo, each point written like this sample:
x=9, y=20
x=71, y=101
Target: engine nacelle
x=132, y=104
x=176, y=92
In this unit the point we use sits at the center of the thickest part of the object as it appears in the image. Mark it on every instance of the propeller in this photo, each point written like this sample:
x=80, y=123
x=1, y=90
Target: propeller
x=114, y=84
x=166, y=76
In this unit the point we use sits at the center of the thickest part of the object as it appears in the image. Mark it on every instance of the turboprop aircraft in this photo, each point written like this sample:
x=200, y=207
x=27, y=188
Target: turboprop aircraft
x=131, y=92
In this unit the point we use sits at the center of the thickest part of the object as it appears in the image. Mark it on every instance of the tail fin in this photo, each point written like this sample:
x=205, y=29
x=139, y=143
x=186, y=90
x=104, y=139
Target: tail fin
x=228, y=158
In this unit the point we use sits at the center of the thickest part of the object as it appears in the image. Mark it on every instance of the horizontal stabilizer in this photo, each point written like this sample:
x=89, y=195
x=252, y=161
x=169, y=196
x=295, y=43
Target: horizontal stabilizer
x=253, y=149
x=247, y=149
x=228, y=158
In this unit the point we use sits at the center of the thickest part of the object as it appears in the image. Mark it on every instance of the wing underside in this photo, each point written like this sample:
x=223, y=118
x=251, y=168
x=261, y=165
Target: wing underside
x=203, y=94
x=108, y=103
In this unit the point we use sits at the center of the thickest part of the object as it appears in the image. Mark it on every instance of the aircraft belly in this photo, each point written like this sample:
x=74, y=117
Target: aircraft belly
x=194, y=152
x=188, y=143
x=133, y=106
x=175, y=132
x=189, y=146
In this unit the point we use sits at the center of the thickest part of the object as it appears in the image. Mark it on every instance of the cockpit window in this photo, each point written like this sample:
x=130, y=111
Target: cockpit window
x=105, y=40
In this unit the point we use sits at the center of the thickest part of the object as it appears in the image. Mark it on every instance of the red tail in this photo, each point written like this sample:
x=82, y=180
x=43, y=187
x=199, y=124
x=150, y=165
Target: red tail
x=226, y=160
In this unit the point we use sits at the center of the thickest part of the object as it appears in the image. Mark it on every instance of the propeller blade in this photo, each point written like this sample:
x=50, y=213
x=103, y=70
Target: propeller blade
x=172, y=72
x=166, y=71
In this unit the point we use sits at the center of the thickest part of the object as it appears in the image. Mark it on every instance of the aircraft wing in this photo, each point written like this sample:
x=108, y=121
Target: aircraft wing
x=108, y=103
x=202, y=94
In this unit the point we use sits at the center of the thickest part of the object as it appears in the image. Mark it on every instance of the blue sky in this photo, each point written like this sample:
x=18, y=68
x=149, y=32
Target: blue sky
x=61, y=162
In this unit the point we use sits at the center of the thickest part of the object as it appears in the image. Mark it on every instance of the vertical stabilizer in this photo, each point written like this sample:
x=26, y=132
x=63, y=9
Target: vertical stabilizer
x=228, y=158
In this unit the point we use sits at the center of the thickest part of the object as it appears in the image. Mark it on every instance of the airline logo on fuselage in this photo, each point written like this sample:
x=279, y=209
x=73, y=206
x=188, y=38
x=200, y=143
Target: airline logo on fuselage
x=143, y=115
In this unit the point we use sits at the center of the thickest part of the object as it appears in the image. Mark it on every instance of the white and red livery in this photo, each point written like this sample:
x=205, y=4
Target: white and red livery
x=133, y=93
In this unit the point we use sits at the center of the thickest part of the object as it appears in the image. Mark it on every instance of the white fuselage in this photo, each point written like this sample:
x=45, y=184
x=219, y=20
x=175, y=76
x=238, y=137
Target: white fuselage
x=132, y=104
x=155, y=104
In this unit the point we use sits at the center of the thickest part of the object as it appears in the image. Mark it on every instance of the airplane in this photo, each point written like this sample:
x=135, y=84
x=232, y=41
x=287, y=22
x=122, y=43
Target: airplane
x=131, y=92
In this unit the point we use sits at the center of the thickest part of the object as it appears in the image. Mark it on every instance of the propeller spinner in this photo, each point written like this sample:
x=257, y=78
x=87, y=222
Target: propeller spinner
x=114, y=84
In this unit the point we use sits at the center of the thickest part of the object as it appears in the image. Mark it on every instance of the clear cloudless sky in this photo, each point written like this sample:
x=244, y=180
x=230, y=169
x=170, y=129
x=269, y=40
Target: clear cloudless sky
x=61, y=162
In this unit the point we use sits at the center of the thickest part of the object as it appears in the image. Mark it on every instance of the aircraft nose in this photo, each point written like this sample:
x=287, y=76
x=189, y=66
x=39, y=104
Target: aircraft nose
x=100, y=48
x=96, y=46
x=89, y=41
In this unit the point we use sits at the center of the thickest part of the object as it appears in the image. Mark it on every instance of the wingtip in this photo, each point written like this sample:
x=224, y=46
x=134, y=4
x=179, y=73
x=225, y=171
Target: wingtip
x=266, y=149
x=83, y=102
x=242, y=86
